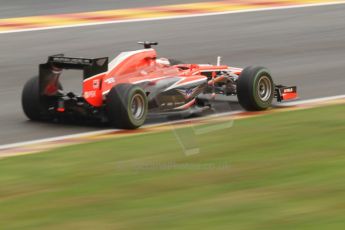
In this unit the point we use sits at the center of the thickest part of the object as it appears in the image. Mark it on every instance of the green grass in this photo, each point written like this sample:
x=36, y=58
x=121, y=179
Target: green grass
x=280, y=171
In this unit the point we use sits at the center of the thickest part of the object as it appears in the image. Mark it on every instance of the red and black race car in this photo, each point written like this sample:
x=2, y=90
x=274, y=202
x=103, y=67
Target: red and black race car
x=123, y=91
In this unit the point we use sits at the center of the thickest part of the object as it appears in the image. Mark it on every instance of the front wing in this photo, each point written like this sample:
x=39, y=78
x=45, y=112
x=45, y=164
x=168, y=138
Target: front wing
x=283, y=93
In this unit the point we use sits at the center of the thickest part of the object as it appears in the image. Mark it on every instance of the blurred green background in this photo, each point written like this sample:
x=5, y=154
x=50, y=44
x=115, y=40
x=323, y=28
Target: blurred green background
x=279, y=171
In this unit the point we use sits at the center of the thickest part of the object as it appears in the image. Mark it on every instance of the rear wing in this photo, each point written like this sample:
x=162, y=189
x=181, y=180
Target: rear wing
x=90, y=66
x=50, y=71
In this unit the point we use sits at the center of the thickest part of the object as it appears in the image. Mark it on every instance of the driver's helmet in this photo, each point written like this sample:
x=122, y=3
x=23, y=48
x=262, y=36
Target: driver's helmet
x=163, y=61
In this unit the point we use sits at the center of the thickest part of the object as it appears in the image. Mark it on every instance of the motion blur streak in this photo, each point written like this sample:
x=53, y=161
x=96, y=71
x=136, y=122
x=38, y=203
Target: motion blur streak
x=33, y=23
x=37, y=146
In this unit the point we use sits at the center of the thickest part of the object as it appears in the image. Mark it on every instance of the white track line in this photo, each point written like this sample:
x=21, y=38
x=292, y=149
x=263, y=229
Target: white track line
x=311, y=101
x=102, y=132
x=175, y=17
x=59, y=138
x=107, y=131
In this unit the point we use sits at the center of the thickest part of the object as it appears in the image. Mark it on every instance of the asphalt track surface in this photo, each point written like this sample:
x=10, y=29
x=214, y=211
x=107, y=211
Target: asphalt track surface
x=302, y=46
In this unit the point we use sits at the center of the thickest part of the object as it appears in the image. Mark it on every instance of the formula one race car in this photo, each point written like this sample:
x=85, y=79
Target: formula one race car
x=135, y=82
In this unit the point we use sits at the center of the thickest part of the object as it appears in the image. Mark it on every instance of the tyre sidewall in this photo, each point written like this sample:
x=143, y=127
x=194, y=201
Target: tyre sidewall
x=132, y=92
x=31, y=100
x=247, y=86
x=119, y=106
x=258, y=75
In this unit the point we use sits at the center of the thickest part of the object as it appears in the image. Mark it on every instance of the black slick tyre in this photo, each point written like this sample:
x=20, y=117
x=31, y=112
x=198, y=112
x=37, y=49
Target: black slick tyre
x=126, y=106
x=31, y=101
x=255, y=89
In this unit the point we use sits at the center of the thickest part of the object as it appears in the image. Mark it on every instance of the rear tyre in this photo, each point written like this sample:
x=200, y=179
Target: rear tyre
x=32, y=103
x=127, y=106
x=255, y=89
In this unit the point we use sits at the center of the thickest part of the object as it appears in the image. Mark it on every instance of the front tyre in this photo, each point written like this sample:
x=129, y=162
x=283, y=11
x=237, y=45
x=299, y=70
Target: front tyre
x=127, y=106
x=255, y=89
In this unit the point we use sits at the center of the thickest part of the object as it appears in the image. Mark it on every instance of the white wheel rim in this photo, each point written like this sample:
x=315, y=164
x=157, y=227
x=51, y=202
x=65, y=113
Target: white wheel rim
x=137, y=106
x=264, y=88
